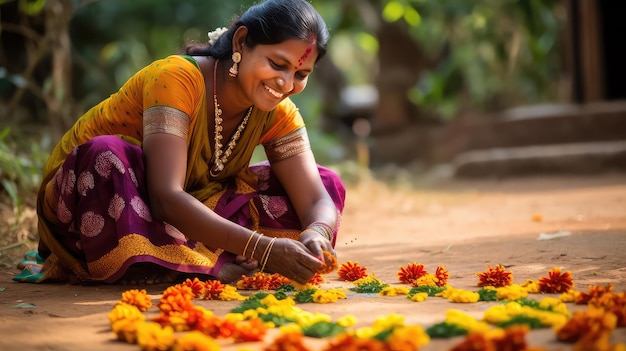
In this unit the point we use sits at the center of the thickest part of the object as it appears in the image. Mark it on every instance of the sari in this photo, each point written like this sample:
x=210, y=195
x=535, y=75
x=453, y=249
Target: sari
x=94, y=221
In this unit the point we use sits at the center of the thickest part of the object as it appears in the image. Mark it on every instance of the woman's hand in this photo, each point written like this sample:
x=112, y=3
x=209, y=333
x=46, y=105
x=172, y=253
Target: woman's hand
x=316, y=243
x=293, y=260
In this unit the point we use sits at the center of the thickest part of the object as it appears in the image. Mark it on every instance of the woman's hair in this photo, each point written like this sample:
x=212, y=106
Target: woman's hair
x=271, y=22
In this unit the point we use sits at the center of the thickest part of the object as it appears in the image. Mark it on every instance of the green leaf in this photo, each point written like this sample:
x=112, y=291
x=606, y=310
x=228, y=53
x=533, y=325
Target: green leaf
x=445, y=330
x=323, y=330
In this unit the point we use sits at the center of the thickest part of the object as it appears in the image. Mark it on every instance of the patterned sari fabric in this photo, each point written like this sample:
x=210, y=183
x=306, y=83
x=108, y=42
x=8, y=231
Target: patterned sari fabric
x=99, y=199
x=94, y=221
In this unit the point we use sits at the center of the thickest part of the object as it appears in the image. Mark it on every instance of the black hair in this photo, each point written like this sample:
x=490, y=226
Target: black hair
x=271, y=22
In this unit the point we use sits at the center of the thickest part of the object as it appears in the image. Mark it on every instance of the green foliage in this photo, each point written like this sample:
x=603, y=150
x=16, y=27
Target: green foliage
x=21, y=165
x=323, y=330
x=533, y=323
x=445, y=330
x=429, y=289
x=369, y=287
x=304, y=296
x=487, y=294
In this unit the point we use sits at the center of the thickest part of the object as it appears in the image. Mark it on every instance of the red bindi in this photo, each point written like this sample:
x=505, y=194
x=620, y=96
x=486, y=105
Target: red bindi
x=307, y=52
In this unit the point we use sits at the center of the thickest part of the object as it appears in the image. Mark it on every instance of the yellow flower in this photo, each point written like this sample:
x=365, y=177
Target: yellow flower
x=151, y=337
x=196, y=341
x=290, y=328
x=138, y=298
x=569, y=296
x=407, y=338
x=126, y=330
x=388, y=322
x=419, y=297
x=234, y=317
x=555, y=305
x=511, y=292
x=125, y=311
x=496, y=314
x=531, y=286
x=463, y=296
x=347, y=321
x=427, y=280
x=328, y=296
x=446, y=293
x=230, y=294
x=466, y=321
x=394, y=291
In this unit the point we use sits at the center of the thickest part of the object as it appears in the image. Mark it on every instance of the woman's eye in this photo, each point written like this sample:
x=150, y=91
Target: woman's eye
x=276, y=65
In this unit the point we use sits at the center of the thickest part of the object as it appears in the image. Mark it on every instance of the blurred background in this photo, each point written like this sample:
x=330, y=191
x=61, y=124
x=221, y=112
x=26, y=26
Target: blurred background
x=410, y=90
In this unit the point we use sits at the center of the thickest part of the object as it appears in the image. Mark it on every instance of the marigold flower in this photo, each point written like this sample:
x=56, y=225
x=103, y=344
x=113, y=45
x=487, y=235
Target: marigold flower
x=230, y=294
x=352, y=342
x=465, y=321
x=569, y=296
x=442, y=276
x=394, y=291
x=347, y=321
x=419, y=297
x=152, y=337
x=126, y=330
x=407, y=338
x=291, y=341
x=197, y=286
x=330, y=263
x=590, y=329
x=556, y=282
x=249, y=330
x=328, y=296
x=351, y=271
x=496, y=277
x=138, y=298
x=196, y=341
x=212, y=290
x=176, y=298
x=411, y=273
x=511, y=292
x=531, y=286
x=463, y=296
x=125, y=311
x=316, y=280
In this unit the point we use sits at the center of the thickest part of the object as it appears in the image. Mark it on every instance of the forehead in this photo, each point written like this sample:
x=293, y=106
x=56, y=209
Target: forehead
x=297, y=52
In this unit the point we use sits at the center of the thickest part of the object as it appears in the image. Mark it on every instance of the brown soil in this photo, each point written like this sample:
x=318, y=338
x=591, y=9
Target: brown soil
x=463, y=225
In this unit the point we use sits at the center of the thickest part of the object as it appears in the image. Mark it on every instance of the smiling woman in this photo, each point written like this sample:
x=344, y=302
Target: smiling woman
x=154, y=183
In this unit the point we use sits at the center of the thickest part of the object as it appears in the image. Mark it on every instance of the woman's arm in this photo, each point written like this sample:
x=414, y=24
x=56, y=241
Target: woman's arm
x=301, y=179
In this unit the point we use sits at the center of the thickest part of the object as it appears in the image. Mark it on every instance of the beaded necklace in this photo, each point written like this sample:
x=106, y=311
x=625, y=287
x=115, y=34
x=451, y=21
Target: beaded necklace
x=221, y=157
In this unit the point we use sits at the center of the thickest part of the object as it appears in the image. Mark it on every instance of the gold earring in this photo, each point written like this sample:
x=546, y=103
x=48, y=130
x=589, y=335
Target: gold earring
x=234, y=70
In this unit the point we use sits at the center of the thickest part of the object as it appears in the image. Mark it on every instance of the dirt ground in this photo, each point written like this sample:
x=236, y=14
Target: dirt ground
x=463, y=225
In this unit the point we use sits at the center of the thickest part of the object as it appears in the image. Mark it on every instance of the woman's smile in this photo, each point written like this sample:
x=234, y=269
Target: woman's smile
x=273, y=92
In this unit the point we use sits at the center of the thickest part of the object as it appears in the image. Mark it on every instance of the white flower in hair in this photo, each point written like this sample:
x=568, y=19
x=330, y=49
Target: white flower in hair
x=216, y=34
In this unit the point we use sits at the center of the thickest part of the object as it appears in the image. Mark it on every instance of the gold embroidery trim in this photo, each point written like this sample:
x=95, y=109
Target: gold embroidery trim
x=290, y=145
x=165, y=120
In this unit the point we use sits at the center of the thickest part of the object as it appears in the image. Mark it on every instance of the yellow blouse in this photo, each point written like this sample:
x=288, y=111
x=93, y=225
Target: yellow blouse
x=177, y=82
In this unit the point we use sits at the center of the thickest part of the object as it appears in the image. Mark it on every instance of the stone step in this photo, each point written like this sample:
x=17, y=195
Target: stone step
x=570, y=158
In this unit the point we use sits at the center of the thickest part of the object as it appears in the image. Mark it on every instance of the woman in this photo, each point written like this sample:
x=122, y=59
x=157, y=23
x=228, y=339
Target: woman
x=155, y=180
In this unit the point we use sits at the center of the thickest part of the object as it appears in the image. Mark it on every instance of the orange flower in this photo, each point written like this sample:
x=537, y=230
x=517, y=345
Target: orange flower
x=258, y=281
x=590, y=330
x=411, y=273
x=512, y=338
x=330, y=263
x=291, y=341
x=196, y=341
x=137, y=298
x=351, y=271
x=250, y=330
x=212, y=290
x=176, y=298
x=276, y=280
x=496, y=277
x=316, y=280
x=217, y=327
x=353, y=343
x=442, y=276
x=556, y=282
x=197, y=287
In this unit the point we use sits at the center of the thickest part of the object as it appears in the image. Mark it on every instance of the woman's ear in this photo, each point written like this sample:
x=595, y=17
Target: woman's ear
x=239, y=38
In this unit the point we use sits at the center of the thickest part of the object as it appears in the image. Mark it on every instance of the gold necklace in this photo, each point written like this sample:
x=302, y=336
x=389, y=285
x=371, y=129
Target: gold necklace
x=221, y=157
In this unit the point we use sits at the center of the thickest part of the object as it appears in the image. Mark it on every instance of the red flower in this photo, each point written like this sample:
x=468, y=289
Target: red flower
x=351, y=271
x=411, y=273
x=556, y=282
x=197, y=287
x=442, y=276
x=287, y=341
x=212, y=290
x=496, y=277
x=349, y=342
x=316, y=280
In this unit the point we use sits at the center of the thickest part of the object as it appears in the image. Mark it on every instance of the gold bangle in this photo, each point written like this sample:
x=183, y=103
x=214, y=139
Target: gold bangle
x=248, y=243
x=323, y=229
x=255, y=245
x=266, y=253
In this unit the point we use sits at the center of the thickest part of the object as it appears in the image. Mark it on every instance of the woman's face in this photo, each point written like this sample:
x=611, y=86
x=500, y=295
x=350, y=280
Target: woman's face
x=270, y=73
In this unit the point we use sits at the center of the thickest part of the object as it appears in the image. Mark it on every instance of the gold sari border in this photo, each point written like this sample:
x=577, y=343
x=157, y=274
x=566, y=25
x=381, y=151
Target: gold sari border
x=165, y=120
